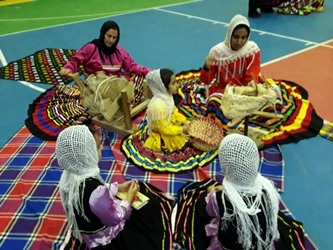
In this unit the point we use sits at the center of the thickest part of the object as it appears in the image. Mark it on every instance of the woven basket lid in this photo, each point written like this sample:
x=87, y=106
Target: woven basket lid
x=206, y=133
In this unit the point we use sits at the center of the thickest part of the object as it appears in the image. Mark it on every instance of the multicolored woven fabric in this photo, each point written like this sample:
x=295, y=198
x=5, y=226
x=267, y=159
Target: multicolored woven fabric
x=191, y=158
x=55, y=109
x=327, y=131
x=60, y=107
x=178, y=161
x=300, y=119
x=41, y=67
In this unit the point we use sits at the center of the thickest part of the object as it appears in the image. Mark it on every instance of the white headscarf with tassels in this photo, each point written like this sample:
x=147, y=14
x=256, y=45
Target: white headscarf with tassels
x=76, y=152
x=162, y=104
x=223, y=52
x=246, y=189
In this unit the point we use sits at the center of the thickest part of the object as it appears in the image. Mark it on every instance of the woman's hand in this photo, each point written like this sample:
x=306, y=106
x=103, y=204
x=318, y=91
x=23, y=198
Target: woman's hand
x=185, y=129
x=132, y=190
x=187, y=122
x=214, y=188
x=65, y=72
x=209, y=61
x=124, y=187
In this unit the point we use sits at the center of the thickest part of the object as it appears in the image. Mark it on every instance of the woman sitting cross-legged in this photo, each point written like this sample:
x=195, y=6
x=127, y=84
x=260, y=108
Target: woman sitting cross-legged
x=99, y=220
x=239, y=214
x=168, y=129
x=244, y=208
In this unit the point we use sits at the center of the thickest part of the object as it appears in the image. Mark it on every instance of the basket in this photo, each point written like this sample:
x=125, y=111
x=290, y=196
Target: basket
x=206, y=134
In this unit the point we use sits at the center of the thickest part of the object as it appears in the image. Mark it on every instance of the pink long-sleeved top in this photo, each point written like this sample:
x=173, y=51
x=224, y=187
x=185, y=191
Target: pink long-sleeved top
x=119, y=63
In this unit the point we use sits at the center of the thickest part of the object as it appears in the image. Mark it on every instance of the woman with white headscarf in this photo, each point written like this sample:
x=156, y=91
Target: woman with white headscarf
x=239, y=214
x=244, y=209
x=234, y=61
x=99, y=220
x=168, y=129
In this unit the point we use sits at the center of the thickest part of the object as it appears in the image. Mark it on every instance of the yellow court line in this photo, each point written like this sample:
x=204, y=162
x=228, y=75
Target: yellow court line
x=9, y=2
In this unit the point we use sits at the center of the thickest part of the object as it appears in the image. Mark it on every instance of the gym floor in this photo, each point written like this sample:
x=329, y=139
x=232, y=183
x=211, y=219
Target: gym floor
x=178, y=35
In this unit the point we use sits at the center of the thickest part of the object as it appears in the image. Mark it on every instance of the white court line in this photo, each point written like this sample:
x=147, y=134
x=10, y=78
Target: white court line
x=93, y=15
x=297, y=52
x=4, y=63
x=261, y=32
x=176, y=13
x=63, y=17
x=104, y=15
x=3, y=59
x=32, y=86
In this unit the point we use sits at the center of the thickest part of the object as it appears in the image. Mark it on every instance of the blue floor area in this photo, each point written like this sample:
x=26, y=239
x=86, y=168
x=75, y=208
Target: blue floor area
x=179, y=37
x=308, y=186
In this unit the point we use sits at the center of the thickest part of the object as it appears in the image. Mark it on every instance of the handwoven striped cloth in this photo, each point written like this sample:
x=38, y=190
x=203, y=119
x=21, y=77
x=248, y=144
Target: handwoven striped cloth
x=300, y=119
x=327, y=131
x=43, y=66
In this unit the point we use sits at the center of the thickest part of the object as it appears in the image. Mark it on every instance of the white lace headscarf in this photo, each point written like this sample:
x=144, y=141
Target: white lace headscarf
x=76, y=152
x=246, y=189
x=234, y=22
x=161, y=96
x=223, y=52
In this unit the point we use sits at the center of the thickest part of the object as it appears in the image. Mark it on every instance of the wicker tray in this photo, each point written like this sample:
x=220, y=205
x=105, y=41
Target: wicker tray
x=206, y=134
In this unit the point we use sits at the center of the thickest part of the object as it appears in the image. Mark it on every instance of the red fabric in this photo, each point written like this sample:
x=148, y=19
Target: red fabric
x=244, y=73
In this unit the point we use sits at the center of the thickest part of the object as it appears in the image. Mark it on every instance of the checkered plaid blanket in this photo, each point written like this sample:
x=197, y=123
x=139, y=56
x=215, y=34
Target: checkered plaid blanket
x=31, y=213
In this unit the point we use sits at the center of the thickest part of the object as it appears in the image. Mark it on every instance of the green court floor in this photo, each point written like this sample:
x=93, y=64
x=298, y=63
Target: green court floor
x=45, y=13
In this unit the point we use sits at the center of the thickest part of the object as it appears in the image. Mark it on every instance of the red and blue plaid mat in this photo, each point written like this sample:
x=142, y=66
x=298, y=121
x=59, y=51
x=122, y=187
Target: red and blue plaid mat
x=31, y=213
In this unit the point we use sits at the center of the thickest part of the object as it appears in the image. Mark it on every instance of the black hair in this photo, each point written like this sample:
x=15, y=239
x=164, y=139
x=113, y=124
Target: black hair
x=240, y=26
x=100, y=41
x=92, y=129
x=166, y=75
x=105, y=28
x=95, y=134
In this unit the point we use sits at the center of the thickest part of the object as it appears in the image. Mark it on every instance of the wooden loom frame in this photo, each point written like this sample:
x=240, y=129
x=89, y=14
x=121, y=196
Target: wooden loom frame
x=122, y=125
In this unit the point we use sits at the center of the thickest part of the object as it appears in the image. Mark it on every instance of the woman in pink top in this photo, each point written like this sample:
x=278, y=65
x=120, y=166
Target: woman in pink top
x=104, y=54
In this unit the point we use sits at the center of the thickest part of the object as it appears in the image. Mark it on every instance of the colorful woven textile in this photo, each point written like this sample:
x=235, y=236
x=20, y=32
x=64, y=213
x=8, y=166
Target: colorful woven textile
x=327, y=131
x=190, y=158
x=55, y=109
x=178, y=161
x=300, y=119
x=295, y=7
x=60, y=107
x=41, y=67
